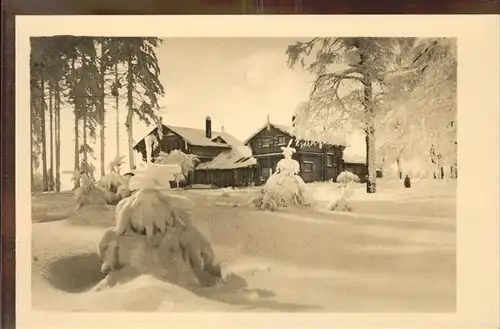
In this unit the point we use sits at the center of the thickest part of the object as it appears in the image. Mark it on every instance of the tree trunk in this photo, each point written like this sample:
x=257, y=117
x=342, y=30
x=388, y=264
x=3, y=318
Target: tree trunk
x=51, y=125
x=85, y=145
x=77, y=146
x=371, y=186
x=400, y=173
x=58, y=136
x=102, y=110
x=35, y=113
x=44, y=140
x=76, y=130
x=117, y=101
x=130, y=113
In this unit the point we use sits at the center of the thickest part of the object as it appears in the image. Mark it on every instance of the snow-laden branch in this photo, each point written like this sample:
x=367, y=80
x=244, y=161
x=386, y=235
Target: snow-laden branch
x=336, y=77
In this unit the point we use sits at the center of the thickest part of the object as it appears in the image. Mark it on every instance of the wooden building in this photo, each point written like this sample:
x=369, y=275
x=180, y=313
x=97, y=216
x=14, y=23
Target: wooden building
x=357, y=165
x=317, y=163
x=223, y=158
x=235, y=167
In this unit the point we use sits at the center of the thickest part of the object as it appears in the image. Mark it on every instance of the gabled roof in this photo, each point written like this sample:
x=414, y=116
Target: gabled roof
x=196, y=137
x=237, y=157
x=288, y=130
x=281, y=128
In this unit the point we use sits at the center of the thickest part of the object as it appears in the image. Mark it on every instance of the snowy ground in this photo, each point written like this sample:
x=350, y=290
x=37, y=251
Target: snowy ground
x=394, y=253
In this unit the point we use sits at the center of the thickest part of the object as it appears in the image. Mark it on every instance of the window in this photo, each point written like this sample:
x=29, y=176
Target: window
x=329, y=160
x=308, y=166
x=219, y=139
x=265, y=142
x=279, y=140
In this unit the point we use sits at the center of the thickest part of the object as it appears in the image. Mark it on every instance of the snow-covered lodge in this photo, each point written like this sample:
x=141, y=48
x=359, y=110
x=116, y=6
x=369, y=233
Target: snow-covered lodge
x=224, y=160
x=317, y=162
x=356, y=164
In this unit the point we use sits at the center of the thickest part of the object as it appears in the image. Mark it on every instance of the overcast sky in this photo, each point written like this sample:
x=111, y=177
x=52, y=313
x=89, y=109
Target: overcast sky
x=235, y=81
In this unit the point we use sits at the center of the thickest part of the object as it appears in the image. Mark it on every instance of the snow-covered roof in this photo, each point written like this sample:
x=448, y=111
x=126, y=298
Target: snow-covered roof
x=357, y=159
x=337, y=140
x=354, y=158
x=197, y=137
x=237, y=157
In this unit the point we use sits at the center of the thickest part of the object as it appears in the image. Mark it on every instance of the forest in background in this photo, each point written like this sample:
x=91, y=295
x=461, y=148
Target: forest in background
x=81, y=74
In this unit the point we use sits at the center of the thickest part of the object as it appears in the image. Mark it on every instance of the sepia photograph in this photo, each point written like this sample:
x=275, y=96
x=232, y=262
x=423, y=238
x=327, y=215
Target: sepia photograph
x=243, y=174
x=219, y=174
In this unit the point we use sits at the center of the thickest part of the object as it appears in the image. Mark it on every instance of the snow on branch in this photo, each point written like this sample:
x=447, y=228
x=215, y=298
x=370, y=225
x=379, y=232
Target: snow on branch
x=320, y=123
x=335, y=78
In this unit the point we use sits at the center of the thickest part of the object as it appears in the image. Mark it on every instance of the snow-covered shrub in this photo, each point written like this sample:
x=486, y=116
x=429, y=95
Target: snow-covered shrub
x=110, y=197
x=153, y=175
x=347, y=177
x=88, y=193
x=114, y=185
x=346, y=180
x=123, y=191
x=111, y=181
x=284, y=187
x=187, y=162
x=181, y=251
x=282, y=190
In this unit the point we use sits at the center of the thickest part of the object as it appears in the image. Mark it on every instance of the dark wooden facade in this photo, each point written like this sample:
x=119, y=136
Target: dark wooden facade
x=208, y=146
x=361, y=170
x=172, y=141
x=240, y=177
x=317, y=163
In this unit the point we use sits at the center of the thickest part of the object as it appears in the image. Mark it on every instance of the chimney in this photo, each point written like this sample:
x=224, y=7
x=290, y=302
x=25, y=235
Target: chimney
x=268, y=122
x=222, y=129
x=208, y=127
x=293, y=121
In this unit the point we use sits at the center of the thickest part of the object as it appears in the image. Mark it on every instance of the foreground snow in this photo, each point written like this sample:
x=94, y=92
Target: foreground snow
x=272, y=285
x=283, y=261
x=389, y=191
